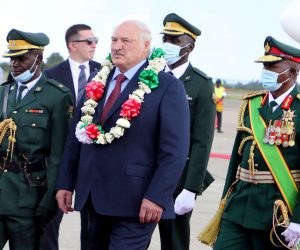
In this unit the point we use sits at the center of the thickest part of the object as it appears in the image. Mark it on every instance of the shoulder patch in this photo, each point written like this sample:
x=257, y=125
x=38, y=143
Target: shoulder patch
x=298, y=96
x=59, y=85
x=253, y=94
x=201, y=73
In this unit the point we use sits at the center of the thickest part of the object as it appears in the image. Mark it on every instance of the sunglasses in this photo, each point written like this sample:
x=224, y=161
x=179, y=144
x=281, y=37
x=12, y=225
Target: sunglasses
x=89, y=41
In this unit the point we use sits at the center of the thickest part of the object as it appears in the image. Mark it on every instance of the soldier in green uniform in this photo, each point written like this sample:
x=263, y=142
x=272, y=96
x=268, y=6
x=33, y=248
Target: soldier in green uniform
x=34, y=114
x=264, y=167
x=179, y=37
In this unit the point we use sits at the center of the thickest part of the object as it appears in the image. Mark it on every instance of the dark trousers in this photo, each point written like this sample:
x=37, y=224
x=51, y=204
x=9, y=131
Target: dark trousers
x=115, y=233
x=175, y=234
x=219, y=120
x=20, y=232
x=235, y=237
x=51, y=231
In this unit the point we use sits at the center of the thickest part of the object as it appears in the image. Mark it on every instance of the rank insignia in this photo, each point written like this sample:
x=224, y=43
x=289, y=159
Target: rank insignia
x=38, y=89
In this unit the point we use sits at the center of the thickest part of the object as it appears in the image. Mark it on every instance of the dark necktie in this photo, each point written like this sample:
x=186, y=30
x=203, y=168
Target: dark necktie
x=113, y=96
x=22, y=87
x=270, y=109
x=81, y=83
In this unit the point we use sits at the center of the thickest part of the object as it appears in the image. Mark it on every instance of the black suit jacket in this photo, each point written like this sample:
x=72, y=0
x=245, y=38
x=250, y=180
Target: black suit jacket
x=62, y=73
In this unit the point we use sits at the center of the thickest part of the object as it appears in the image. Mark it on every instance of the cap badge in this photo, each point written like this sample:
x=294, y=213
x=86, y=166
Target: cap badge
x=267, y=47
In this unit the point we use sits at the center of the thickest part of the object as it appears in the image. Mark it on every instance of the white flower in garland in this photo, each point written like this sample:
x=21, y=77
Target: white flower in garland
x=88, y=132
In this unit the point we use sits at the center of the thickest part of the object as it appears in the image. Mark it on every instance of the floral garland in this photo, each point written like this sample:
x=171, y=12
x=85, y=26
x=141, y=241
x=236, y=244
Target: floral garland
x=88, y=132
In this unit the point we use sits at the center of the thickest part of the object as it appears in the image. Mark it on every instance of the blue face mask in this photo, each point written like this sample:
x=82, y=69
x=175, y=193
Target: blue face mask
x=172, y=52
x=27, y=74
x=269, y=79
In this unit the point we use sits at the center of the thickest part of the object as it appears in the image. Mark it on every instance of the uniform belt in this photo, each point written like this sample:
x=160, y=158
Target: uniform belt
x=28, y=167
x=261, y=177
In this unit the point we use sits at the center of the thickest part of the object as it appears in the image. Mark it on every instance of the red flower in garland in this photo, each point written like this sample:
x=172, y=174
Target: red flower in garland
x=92, y=131
x=94, y=90
x=130, y=108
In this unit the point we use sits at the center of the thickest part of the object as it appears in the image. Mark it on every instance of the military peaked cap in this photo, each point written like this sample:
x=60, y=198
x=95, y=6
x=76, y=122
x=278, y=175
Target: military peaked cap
x=276, y=51
x=20, y=42
x=175, y=25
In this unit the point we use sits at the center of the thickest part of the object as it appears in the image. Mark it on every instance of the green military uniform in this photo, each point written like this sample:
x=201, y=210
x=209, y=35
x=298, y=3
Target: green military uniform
x=27, y=178
x=249, y=210
x=175, y=234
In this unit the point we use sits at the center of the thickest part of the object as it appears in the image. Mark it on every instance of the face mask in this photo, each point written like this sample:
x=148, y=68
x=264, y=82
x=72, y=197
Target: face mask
x=269, y=79
x=172, y=52
x=26, y=75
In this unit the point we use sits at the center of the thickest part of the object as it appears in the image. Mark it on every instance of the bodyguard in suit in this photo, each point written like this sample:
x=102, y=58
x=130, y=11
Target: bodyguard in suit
x=264, y=166
x=81, y=43
x=73, y=73
x=35, y=114
x=179, y=39
x=126, y=158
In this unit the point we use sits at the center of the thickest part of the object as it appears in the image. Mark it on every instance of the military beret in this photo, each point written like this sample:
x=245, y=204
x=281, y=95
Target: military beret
x=20, y=42
x=276, y=51
x=175, y=25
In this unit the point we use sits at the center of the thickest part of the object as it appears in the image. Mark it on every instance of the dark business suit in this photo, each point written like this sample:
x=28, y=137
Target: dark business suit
x=62, y=73
x=175, y=234
x=145, y=163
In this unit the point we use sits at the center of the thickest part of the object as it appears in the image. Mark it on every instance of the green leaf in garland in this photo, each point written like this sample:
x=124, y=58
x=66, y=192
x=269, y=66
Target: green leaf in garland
x=108, y=57
x=157, y=53
x=149, y=77
x=100, y=128
x=84, y=125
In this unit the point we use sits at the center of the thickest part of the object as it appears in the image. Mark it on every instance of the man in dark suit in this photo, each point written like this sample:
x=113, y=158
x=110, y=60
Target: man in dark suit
x=179, y=37
x=81, y=43
x=264, y=167
x=125, y=177
x=35, y=114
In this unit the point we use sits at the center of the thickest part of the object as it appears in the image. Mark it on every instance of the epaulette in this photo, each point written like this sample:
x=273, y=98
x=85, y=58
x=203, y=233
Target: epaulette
x=253, y=94
x=201, y=73
x=57, y=84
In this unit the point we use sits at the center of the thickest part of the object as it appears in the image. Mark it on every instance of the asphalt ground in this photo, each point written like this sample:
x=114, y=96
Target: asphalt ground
x=206, y=205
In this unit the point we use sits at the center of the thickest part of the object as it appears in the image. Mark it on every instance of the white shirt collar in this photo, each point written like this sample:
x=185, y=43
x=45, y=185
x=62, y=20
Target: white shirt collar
x=281, y=98
x=179, y=71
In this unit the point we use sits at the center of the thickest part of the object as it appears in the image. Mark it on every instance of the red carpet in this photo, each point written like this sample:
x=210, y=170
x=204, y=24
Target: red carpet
x=220, y=156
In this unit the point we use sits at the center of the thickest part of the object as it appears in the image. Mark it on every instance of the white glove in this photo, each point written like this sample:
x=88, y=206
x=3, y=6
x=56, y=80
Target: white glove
x=184, y=202
x=292, y=234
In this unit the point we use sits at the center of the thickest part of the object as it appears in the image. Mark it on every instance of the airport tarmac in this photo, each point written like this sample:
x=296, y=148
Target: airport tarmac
x=206, y=205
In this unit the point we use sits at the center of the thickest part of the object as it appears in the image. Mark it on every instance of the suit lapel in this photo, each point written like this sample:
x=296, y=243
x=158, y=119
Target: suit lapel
x=67, y=76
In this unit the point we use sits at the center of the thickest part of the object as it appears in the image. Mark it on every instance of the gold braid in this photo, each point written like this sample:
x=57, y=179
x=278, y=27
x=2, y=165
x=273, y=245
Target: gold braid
x=241, y=127
x=5, y=125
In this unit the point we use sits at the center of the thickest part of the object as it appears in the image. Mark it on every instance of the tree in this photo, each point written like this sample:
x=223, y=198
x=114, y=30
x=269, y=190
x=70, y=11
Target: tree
x=53, y=59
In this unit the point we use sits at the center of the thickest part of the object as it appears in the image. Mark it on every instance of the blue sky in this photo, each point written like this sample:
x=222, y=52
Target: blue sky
x=233, y=31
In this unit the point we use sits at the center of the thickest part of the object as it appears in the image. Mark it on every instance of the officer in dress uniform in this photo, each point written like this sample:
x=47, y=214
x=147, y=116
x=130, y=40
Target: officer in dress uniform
x=179, y=37
x=264, y=172
x=34, y=114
